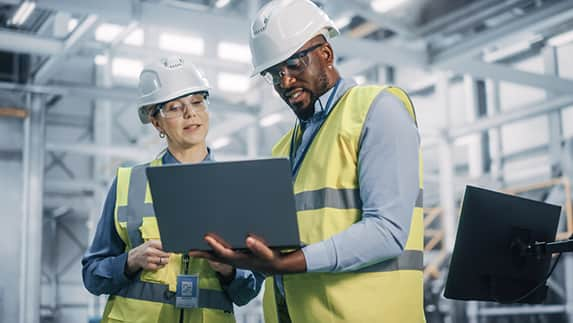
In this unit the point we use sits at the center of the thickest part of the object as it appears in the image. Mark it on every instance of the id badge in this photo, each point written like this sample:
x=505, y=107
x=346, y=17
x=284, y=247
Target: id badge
x=187, y=295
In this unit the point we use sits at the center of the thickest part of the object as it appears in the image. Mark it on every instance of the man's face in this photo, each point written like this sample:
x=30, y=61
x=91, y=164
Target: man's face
x=301, y=79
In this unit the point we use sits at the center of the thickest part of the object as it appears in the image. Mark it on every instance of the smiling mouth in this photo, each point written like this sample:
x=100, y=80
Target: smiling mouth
x=192, y=127
x=294, y=95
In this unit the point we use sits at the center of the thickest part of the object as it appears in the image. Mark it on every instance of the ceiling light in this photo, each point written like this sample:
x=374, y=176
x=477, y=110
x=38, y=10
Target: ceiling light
x=342, y=21
x=107, y=32
x=222, y=3
x=181, y=43
x=72, y=24
x=101, y=59
x=385, y=5
x=22, y=13
x=234, y=52
x=126, y=68
x=235, y=83
x=561, y=39
x=135, y=38
x=270, y=120
x=510, y=50
x=220, y=143
x=359, y=79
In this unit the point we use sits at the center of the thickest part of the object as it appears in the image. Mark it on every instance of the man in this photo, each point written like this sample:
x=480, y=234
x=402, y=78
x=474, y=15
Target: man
x=357, y=178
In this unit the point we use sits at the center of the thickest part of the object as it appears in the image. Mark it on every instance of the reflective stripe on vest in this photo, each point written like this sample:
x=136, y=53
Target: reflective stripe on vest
x=160, y=293
x=408, y=260
x=133, y=214
x=336, y=199
x=136, y=209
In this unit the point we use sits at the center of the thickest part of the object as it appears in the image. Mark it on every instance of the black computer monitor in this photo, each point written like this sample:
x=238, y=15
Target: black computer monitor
x=488, y=262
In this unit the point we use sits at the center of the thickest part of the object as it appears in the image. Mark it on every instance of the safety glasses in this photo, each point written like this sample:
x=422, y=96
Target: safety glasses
x=295, y=65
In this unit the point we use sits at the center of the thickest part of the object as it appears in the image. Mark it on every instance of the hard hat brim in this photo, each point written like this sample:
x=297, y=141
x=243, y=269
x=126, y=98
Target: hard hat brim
x=328, y=33
x=144, y=116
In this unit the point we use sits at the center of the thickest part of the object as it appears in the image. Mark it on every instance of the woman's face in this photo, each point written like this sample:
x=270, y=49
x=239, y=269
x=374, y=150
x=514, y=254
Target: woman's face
x=185, y=121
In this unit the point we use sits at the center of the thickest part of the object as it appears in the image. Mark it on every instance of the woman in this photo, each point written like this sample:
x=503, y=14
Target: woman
x=126, y=259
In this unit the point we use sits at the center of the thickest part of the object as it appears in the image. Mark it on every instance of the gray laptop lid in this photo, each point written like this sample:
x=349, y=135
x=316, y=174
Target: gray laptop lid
x=230, y=199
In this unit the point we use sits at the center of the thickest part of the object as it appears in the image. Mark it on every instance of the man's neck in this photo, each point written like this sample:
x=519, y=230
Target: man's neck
x=333, y=80
x=310, y=111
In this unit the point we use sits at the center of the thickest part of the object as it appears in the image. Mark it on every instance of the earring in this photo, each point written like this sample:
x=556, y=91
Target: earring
x=161, y=134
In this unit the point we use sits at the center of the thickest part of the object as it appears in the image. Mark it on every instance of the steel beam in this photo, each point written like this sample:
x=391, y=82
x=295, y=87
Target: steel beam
x=118, y=94
x=527, y=111
x=149, y=52
x=126, y=152
x=32, y=211
x=12, y=41
x=568, y=269
x=379, y=52
x=447, y=187
x=463, y=16
x=522, y=310
x=475, y=148
x=381, y=19
x=223, y=27
x=355, y=66
x=540, y=19
x=102, y=124
x=232, y=28
x=551, y=67
x=73, y=42
x=496, y=151
x=499, y=72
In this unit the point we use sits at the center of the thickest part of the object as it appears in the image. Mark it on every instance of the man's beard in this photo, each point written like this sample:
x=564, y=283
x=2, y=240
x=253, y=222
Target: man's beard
x=322, y=88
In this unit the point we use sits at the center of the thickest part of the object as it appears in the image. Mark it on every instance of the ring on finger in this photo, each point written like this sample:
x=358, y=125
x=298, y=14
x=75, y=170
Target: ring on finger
x=160, y=260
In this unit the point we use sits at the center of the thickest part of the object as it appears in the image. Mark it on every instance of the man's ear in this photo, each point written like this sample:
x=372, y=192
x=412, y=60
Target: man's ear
x=327, y=54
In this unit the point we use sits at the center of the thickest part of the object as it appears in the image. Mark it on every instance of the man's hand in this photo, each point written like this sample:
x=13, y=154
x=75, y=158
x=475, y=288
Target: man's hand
x=261, y=258
x=227, y=272
x=147, y=256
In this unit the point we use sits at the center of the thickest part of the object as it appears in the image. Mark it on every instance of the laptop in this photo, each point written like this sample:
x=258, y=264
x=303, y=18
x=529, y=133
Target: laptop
x=231, y=199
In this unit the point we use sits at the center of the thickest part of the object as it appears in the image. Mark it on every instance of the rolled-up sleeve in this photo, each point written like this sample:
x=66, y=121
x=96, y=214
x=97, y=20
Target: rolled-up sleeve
x=388, y=179
x=244, y=287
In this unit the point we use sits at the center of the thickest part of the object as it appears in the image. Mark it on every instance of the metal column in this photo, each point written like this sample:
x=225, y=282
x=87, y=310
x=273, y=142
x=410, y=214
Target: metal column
x=253, y=141
x=476, y=151
x=32, y=210
x=102, y=126
x=495, y=146
x=447, y=192
x=555, y=125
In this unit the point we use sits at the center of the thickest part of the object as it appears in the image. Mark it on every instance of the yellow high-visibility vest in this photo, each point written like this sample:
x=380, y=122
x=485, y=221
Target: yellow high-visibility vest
x=150, y=298
x=328, y=201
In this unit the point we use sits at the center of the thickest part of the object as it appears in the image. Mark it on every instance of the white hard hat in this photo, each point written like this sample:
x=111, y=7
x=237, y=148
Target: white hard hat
x=281, y=27
x=165, y=80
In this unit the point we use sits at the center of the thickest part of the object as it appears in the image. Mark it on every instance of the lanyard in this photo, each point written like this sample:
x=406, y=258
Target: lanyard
x=295, y=165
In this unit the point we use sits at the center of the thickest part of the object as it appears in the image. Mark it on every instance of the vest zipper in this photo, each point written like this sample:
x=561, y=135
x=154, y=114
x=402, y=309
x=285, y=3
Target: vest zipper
x=185, y=271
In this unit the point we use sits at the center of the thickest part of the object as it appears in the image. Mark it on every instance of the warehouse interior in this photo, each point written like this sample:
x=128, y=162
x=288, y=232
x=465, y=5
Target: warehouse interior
x=491, y=81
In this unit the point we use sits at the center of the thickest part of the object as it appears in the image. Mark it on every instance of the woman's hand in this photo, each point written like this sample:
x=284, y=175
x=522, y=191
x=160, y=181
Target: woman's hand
x=147, y=256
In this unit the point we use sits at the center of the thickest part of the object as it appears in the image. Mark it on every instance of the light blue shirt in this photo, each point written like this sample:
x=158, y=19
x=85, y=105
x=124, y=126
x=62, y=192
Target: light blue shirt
x=388, y=179
x=104, y=261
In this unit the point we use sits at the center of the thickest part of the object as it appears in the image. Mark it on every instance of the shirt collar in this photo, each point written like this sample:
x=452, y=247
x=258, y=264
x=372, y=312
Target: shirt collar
x=168, y=158
x=344, y=85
